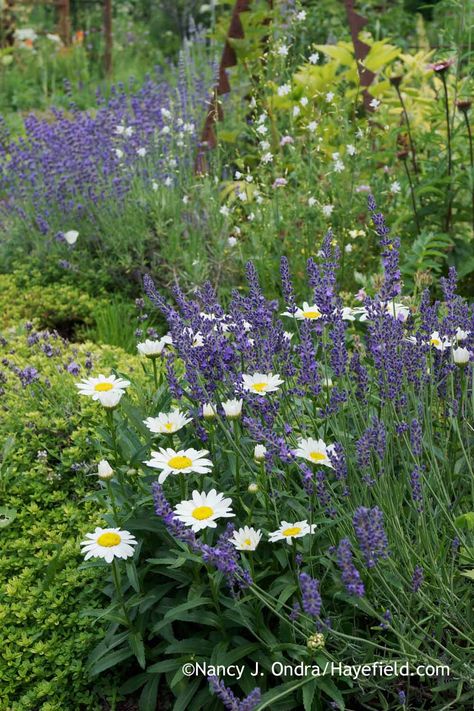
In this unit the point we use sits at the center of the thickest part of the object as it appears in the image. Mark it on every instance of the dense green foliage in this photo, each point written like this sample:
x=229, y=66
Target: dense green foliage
x=47, y=473
x=297, y=154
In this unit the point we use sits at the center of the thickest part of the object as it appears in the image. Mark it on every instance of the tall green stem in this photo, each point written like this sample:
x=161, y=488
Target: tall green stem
x=449, y=147
x=471, y=156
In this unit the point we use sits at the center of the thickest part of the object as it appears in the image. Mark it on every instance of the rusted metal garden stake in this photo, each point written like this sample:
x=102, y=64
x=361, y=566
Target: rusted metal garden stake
x=108, y=37
x=361, y=50
x=229, y=59
x=222, y=86
x=64, y=21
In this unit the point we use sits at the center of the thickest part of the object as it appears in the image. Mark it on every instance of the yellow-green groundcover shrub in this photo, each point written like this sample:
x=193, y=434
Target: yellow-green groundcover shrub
x=47, y=472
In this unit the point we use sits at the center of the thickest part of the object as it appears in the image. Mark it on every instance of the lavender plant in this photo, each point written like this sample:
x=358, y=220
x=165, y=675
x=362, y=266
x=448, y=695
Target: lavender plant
x=338, y=442
x=89, y=181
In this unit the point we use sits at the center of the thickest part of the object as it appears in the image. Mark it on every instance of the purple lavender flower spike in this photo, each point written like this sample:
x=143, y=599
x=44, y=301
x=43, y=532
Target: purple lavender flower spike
x=350, y=575
x=310, y=595
x=371, y=536
x=417, y=579
x=230, y=700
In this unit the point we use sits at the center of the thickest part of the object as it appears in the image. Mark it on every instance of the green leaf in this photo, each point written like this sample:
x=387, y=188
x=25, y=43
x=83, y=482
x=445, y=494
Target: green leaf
x=187, y=697
x=148, y=697
x=135, y=640
x=465, y=521
x=132, y=576
x=7, y=516
x=110, y=660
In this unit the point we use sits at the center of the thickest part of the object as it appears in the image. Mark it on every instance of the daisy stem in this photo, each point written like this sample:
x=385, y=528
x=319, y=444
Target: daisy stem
x=155, y=372
x=251, y=565
x=237, y=456
x=182, y=485
x=113, y=502
x=118, y=587
x=295, y=567
x=113, y=432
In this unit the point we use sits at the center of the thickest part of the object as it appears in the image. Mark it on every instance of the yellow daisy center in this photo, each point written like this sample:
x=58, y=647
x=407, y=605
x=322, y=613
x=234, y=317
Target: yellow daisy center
x=248, y=542
x=108, y=540
x=259, y=387
x=435, y=341
x=103, y=387
x=202, y=512
x=169, y=426
x=180, y=462
x=292, y=531
x=317, y=456
x=311, y=314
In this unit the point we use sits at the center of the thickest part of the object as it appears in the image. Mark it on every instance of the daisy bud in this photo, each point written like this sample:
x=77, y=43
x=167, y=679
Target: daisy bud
x=232, y=409
x=461, y=356
x=252, y=488
x=208, y=411
x=104, y=470
x=316, y=641
x=259, y=452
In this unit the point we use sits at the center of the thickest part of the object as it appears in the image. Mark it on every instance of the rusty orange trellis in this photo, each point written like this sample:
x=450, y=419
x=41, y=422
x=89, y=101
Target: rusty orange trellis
x=361, y=50
x=214, y=111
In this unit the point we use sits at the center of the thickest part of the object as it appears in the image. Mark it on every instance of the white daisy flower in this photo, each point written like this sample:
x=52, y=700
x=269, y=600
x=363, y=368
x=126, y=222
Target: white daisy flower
x=397, y=311
x=259, y=452
x=232, y=408
x=308, y=311
x=315, y=451
x=153, y=349
x=261, y=383
x=288, y=531
x=184, y=461
x=71, y=236
x=110, y=399
x=246, y=538
x=104, y=470
x=108, y=543
x=348, y=314
x=197, y=338
x=438, y=342
x=167, y=422
x=203, y=510
x=461, y=335
x=107, y=390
